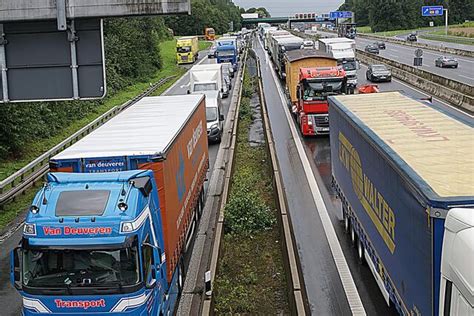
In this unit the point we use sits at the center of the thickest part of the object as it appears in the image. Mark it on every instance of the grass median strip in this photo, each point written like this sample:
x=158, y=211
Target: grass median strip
x=168, y=54
x=250, y=277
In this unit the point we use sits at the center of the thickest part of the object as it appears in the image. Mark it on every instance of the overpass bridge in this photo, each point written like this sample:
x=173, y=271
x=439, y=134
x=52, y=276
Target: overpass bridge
x=288, y=20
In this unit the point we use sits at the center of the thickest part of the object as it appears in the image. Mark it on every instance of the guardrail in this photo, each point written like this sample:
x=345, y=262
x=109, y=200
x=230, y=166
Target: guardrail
x=442, y=49
x=27, y=176
x=456, y=93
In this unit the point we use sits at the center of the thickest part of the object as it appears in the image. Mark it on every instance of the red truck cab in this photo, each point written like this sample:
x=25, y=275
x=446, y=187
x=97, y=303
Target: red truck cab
x=315, y=85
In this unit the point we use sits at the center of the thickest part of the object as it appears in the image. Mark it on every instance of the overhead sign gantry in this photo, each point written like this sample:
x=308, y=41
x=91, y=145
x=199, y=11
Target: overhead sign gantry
x=54, y=50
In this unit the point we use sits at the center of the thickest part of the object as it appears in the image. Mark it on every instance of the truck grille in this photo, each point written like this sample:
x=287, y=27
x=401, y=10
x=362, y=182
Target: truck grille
x=320, y=120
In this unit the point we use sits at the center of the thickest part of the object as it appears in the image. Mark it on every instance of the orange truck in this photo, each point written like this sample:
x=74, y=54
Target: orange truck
x=312, y=76
x=209, y=34
x=119, y=210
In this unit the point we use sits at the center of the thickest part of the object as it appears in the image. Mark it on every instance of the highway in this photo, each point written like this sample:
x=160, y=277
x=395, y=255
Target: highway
x=405, y=54
x=437, y=43
x=10, y=300
x=325, y=292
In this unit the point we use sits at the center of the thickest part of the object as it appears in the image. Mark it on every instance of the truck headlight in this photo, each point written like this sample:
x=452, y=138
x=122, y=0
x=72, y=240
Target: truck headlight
x=214, y=126
x=29, y=229
x=126, y=228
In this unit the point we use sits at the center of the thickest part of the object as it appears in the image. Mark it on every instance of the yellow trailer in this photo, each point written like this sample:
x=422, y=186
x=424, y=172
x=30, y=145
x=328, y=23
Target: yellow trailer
x=187, y=49
x=303, y=58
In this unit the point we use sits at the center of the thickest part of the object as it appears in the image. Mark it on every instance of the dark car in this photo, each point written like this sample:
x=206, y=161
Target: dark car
x=212, y=52
x=445, y=62
x=378, y=73
x=380, y=45
x=412, y=37
x=372, y=48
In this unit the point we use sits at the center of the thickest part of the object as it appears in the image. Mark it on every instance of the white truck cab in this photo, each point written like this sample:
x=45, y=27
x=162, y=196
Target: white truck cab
x=457, y=264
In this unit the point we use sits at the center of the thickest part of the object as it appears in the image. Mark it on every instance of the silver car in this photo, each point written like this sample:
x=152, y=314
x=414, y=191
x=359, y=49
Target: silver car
x=445, y=62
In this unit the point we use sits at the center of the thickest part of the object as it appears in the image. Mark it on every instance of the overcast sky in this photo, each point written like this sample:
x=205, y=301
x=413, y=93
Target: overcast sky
x=290, y=7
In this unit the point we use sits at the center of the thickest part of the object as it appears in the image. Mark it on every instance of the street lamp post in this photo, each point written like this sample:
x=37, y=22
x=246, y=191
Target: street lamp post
x=446, y=21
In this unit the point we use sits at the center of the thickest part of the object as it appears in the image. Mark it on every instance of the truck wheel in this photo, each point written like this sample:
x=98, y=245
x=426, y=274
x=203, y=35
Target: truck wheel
x=346, y=223
x=353, y=235
x=360, y=251
x=181, y=276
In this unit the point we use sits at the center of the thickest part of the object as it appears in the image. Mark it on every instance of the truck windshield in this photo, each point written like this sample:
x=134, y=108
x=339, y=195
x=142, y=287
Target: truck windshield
x=226, y=53
x=81, y=268
x=183, y=49
x=205, y=87
x=290, y=47
x=319, y=90
x=211, y=114
x=349, y=65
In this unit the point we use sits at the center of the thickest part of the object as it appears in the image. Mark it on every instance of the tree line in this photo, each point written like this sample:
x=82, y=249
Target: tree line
x=387, y=15
x=218, y=14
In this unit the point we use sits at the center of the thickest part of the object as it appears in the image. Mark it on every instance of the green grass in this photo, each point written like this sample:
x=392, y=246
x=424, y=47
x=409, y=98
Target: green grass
x=250, y=277
x=439, y=36
x=36, y=148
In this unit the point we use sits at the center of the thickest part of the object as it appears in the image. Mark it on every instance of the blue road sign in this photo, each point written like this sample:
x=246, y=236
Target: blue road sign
x=340, y=14
x=432, y=10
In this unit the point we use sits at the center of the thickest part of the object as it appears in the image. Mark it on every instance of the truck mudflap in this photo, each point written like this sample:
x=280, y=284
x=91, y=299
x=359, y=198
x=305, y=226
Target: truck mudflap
x=314, y=124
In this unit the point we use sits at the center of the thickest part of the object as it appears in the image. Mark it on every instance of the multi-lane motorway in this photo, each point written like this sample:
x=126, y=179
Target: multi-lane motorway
x=326, y=292
x=405, y=54
x=10, y=301
x=437, y=43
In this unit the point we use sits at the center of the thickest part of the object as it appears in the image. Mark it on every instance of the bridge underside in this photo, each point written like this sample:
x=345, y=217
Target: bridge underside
x=280, y=20
x=29, y=10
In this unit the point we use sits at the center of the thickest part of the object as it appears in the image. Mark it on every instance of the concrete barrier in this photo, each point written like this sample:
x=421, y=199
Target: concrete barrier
x=447, y=50
x=456, y=93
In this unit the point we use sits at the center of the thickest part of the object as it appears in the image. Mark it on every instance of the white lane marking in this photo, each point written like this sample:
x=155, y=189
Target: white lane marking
x=347, y=281
x=470, y=78
x=392, y=55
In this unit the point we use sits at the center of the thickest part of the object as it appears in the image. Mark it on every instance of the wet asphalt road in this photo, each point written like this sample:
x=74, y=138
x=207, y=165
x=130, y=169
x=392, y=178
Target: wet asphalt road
x=405, y=54
x=322, y=283
x=10, y=300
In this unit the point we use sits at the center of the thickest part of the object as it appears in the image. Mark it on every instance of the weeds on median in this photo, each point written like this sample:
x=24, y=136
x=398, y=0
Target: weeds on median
x=250, y=278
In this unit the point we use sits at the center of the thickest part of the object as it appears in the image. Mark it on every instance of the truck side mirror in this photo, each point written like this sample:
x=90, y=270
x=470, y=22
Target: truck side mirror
x=16, y=258
x=188, y=92
x=151, y=278
x=144, y=185
x=221, y=117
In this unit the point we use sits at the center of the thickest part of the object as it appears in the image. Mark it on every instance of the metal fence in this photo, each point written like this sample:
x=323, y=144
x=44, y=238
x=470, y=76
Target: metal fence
x=27, y=176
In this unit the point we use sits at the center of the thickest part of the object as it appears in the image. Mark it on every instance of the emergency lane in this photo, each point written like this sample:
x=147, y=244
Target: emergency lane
x=322, y=283
x=10, y=300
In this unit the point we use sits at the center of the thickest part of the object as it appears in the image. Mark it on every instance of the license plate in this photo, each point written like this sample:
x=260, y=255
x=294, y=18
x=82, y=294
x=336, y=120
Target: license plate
x=184, y=57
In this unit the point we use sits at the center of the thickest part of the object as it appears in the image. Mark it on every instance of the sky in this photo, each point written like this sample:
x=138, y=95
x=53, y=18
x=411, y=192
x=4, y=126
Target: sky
x=290, y=7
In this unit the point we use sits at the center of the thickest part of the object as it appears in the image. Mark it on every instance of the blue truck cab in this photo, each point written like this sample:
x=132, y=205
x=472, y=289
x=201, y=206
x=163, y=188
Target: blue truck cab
x=227, y=51
x=94, y=245
x=109, y=231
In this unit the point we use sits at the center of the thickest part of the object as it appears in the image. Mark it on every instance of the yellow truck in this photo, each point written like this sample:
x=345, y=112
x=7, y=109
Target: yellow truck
x=303, y=58
x=187, y=49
